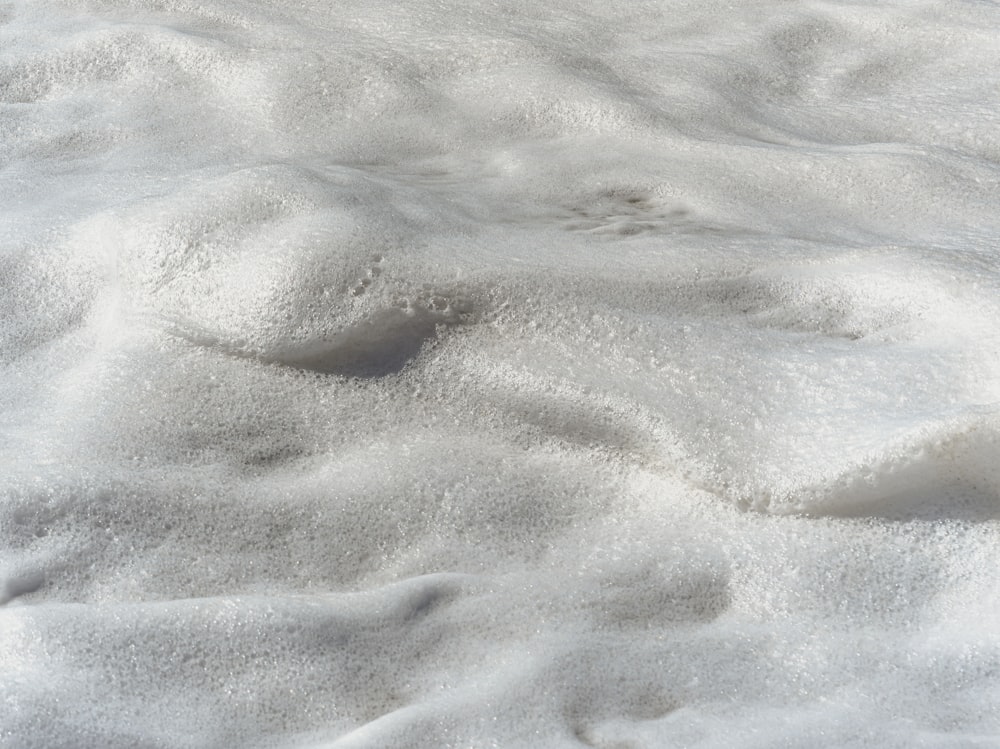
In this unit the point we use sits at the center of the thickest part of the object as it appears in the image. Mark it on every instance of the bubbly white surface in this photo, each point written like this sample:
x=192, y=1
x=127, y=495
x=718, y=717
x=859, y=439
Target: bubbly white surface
x=430, y=374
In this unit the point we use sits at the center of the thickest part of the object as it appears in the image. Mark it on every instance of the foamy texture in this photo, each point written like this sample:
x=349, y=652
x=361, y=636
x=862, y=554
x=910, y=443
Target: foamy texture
x=497, y=375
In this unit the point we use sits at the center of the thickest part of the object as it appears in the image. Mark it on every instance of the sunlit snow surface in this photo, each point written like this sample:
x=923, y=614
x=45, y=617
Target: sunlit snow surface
x=514, y=374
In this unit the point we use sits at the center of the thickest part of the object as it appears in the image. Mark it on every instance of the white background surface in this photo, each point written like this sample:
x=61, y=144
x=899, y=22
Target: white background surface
x=493, y=374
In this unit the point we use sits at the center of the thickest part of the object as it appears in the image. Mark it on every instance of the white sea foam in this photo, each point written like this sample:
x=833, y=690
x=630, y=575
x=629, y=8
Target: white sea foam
x=491, y=374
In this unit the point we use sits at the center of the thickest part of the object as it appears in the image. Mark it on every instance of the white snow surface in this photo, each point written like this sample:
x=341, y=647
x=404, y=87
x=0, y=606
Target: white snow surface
x=499, y=374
